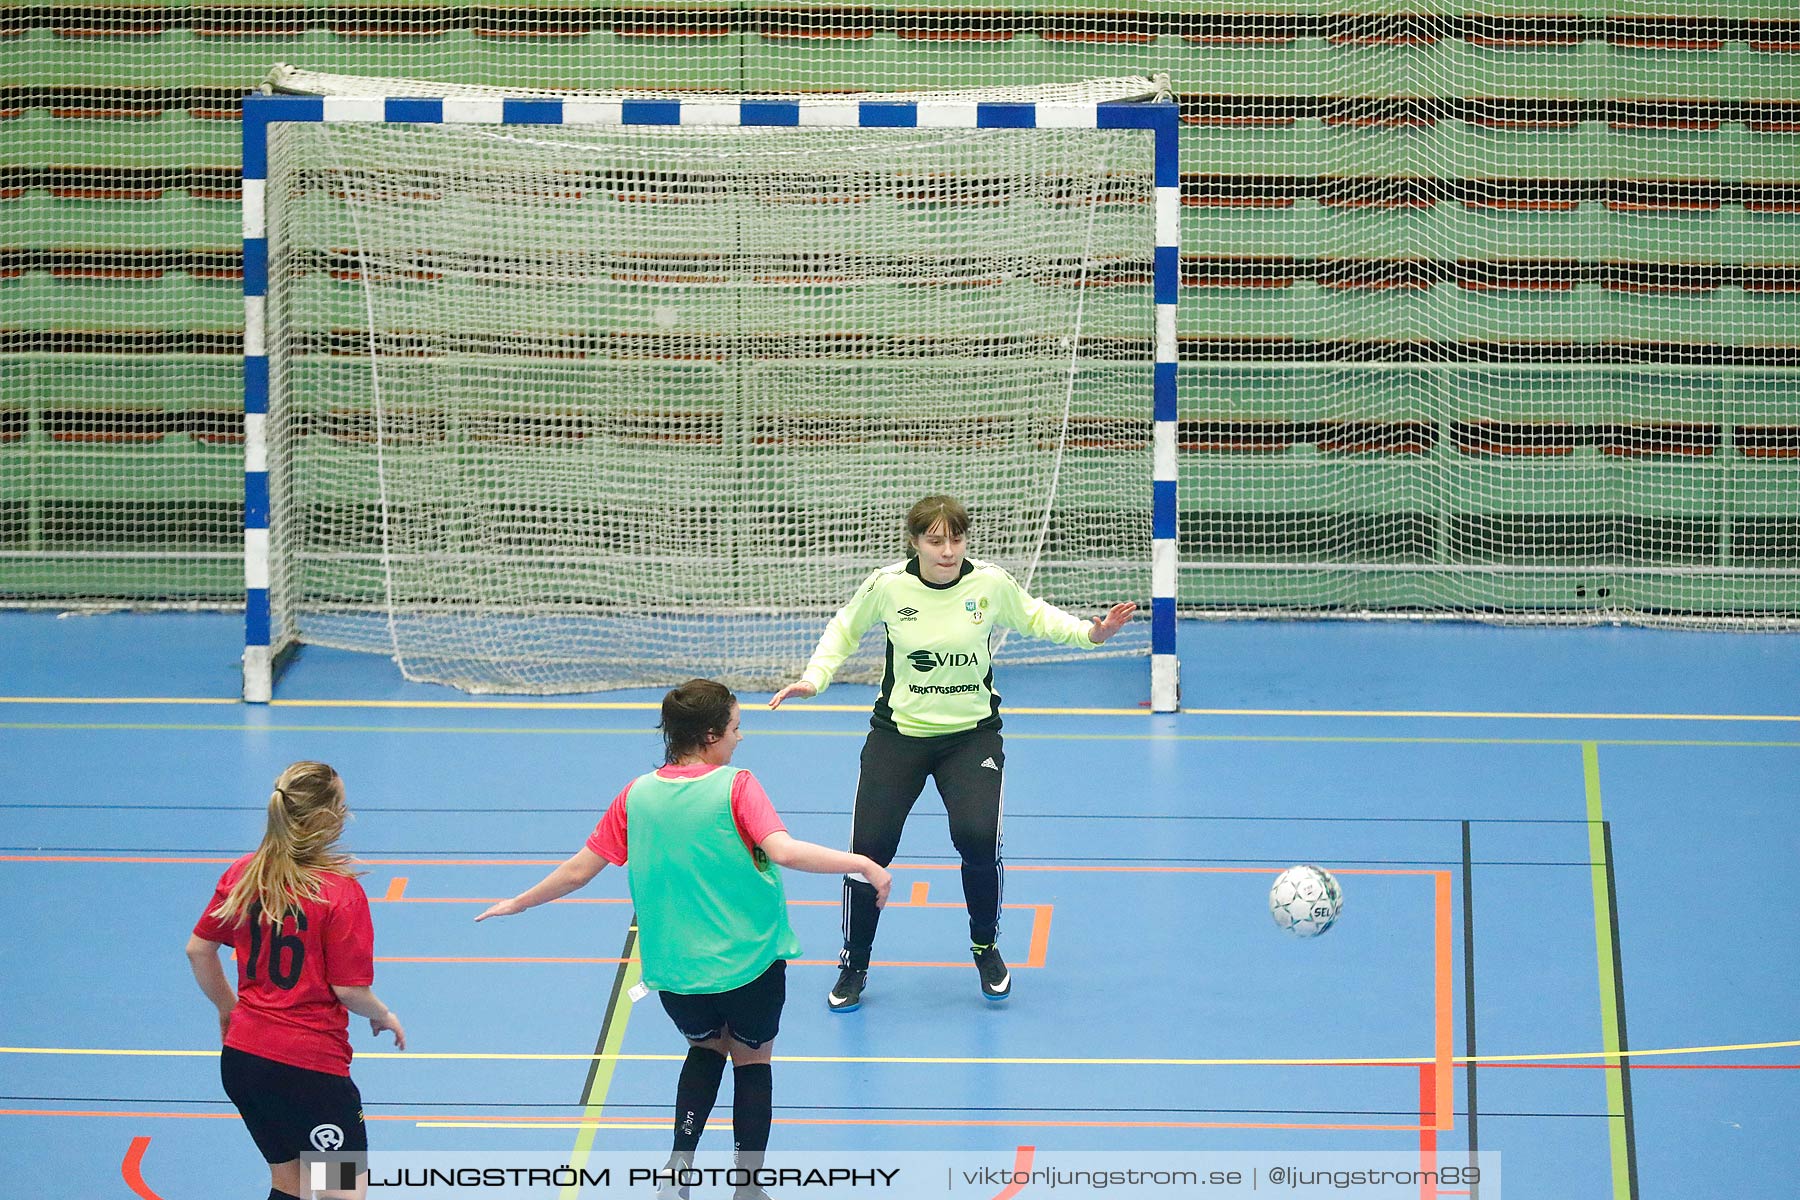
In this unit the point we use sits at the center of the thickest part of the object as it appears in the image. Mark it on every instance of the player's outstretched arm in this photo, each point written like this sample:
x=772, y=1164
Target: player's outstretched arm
x=577, y=872
x=1116, y=618
x=799, y=690
x=365, y=1003
x=787, y=851
x=839, y=641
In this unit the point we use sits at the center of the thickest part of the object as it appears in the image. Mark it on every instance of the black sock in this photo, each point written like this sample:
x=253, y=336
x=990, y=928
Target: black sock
x=695, y=1094
x=752, y=1106
x=860, y=918
x=276, y=1193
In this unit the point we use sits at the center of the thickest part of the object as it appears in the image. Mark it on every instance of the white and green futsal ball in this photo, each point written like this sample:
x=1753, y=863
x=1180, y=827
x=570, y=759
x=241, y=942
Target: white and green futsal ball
x=1305, y=900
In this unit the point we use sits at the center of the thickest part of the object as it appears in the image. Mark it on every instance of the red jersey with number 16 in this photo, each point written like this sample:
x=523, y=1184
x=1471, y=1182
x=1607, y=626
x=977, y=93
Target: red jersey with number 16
x=286, y=1009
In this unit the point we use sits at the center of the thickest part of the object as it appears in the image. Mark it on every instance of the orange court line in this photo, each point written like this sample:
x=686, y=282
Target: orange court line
x=661, y=1122
x=85, y=1112
x=131, y=1169
x=1085, y=867
x=1639, y=1066
x=1039, y=953
x=390, y=898
x=1022, y=1159
x=1037, y=956
x=104, y=858
x=1398, y=1064
x=1428, y=1147
x=1446, y=1048
x=996, y=1124
x=554, y=862
x=1443, y=1046
x=798, y=962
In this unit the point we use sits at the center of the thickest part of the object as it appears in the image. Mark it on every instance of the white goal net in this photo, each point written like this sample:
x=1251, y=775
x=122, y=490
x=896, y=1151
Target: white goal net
x=559, y=408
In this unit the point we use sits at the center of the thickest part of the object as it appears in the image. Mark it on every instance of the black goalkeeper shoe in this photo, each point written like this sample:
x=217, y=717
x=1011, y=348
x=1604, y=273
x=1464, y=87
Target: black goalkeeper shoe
x=847, y=995
x=668, y=1187
x=996, y=981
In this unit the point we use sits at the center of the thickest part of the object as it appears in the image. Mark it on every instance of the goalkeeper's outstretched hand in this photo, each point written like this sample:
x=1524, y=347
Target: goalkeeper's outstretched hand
x=799, y=688
x=1114, y=620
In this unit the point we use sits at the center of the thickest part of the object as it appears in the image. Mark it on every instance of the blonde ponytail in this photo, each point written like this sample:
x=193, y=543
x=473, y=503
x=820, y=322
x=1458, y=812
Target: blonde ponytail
x=306, y=817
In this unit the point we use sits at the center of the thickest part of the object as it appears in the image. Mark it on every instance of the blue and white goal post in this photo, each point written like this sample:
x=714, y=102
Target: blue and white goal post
x=567, y=393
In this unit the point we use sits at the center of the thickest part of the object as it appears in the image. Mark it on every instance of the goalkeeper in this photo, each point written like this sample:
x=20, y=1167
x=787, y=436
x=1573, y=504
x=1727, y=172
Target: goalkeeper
x=937, y=715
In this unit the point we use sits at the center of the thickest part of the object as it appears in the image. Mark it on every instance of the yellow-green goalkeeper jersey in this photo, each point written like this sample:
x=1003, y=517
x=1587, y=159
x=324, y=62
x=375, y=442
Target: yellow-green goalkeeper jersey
x=939, y=677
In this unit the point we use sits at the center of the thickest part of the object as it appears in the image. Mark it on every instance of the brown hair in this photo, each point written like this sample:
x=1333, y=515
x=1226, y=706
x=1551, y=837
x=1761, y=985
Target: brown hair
x=931, y=512
x=694, y=715
x=306, y=817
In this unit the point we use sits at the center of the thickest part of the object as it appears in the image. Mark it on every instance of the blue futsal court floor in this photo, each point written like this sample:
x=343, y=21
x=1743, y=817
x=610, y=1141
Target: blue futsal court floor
x=1568, y=937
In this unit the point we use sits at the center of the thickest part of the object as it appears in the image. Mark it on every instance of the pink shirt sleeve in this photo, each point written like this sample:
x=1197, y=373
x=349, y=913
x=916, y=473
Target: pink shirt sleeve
x=750, y=808
x=608, y=838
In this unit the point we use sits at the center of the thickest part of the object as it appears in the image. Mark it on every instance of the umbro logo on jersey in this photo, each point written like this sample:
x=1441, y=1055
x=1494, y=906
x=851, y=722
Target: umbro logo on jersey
x=907, y=614
x=990, y=764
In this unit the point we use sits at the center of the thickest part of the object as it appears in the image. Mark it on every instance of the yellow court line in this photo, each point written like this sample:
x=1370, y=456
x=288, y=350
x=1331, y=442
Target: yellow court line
x=546, y=705
x=1153, y=736
x=593, y=1098
x=1490, y=716
x=654, y=706
x=516, y=705
x=899, y=1060
x=1618, y=1127
x=585, y=1126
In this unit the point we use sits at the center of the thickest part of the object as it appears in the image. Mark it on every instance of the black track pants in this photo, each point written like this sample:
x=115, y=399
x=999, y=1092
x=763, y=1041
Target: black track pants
x=969, y=768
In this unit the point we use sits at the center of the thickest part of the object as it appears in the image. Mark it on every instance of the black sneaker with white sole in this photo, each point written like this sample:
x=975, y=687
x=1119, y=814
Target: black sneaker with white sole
x=847, y=995
x=750, y=1161
x=667, y=1185
x=996, y=981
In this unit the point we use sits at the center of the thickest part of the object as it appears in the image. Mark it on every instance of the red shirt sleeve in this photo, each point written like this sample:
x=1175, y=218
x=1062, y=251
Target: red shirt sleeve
x=750, y=807
x=210, y=928
x=608, y=838
x=349, y=941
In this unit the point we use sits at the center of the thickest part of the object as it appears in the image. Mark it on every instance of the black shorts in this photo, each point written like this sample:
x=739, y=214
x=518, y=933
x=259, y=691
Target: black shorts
x=290, y=1110
x=752, y=1012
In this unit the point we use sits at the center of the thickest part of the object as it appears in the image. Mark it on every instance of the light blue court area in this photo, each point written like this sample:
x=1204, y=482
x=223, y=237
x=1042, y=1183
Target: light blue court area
x=1565, y=855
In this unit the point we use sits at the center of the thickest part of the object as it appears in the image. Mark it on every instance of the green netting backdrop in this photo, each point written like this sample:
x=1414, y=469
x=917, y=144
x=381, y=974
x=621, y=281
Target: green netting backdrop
x=1491, y=311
